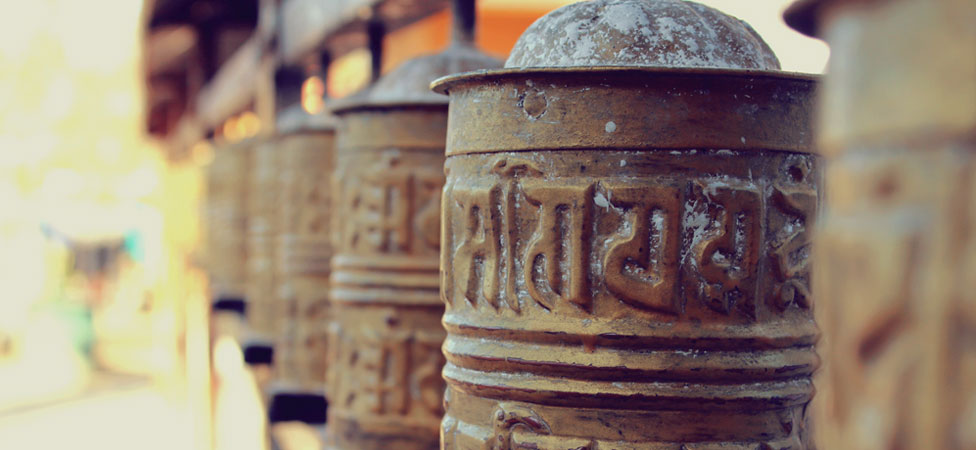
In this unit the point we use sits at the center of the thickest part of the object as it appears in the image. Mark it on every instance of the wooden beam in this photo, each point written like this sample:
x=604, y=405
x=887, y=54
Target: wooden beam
x=309, y=25
x=232, y=88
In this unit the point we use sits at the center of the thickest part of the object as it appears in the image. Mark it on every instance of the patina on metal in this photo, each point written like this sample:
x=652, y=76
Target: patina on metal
x=303, y=252
x=262, y=199
x=626, y=237
x=224, y=222
x=225, y=216
x=896, y=252
x=385, y=366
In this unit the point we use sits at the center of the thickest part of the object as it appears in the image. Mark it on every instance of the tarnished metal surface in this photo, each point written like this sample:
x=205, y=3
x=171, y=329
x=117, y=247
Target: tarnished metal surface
x=668, y=108
x=625, y=250
x=896, y=251
x=631, y=295
x=304, y=251
x=261, y=222
x=385, y=365
x=225, y=218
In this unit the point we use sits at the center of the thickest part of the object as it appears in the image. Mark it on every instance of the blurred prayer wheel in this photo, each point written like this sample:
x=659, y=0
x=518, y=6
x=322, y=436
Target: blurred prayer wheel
x=224, y=217
x=896, y=252
x=385, y=366
x=306, y=154
x=625, y=249
x=261, y=210
x=225, y=221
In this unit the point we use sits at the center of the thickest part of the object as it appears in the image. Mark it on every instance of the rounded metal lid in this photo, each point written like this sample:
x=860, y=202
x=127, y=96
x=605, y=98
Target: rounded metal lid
x=295, y=119
x=409, y=84
x=641, y=33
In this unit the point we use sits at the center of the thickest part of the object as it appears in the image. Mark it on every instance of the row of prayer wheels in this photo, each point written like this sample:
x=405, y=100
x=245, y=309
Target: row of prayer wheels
x=607, y=243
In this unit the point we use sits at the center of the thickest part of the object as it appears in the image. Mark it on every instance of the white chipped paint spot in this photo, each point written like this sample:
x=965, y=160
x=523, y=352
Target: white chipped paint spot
x=610, y=127
x=623, y=163
x=743, y=139
x=601, y=201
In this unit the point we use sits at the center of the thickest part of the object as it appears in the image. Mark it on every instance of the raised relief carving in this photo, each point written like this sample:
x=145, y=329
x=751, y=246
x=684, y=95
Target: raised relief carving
x=392, y=208
x=672, y=243
x=641, y=265
x=427, y=221
x=479, y=251
x=508, y=419
x=790, y=246
x=427, y=361
x=726, y=254
x=557, y=255
x=388, y=376
x=314, y=216
x=385, y=372
x=487, y=247
x=517, y=427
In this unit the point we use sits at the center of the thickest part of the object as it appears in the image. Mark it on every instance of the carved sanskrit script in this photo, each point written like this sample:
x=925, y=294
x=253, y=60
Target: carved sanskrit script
x=391, y=376
x=519, y=238
x=391, y=209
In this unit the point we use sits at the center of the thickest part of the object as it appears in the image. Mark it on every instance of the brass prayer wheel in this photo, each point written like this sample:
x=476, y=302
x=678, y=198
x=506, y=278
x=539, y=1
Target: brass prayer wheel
x=260, y=235
x=896, y=250
x=385, y=385
x=626, y=224
x=225, y=220
x=306, y=155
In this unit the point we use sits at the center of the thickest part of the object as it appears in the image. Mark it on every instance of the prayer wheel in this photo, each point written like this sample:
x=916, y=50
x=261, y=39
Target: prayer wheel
x=225, y=221
x=895, y=255
x=385, y=382
x=626, y=229
x=260, y=236
x=305, y=144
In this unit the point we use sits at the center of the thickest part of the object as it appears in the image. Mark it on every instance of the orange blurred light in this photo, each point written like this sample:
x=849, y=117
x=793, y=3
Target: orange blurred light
x=349, y=73
x=249, y=124
x=230, y=130
x=313, y=90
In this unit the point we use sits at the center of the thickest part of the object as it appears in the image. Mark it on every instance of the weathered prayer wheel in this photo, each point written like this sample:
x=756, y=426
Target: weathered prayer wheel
x=626, y=224
x=385, y=366
x=225, y=219
x=306, y=150
x=262, y=201
x=895, y=256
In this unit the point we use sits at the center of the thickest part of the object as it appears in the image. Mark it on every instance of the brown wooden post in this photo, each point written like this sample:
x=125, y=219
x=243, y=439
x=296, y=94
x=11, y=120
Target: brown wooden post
x=385, y=368
x=896, y=254
x=625, y=249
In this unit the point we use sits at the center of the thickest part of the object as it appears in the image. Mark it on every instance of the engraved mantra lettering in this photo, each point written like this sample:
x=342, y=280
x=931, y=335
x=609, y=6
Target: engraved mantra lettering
x=391, y=209
x=387, y=376
x=659, y=249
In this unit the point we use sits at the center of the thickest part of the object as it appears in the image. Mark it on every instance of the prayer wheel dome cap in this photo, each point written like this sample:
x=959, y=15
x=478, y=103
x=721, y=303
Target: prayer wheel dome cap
x=295, y=119
x=641, y=33
x=409, y=84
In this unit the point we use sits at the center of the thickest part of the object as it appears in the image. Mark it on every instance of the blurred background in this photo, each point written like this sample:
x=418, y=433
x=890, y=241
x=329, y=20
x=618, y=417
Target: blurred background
x=109, y=113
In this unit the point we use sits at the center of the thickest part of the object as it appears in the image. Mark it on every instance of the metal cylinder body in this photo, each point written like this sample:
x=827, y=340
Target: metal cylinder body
x=262, y=201
x=896, y=252
x=385, y=383
x=225, y=218
x=386, y=389
x=304, y=250
x=625, y=259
